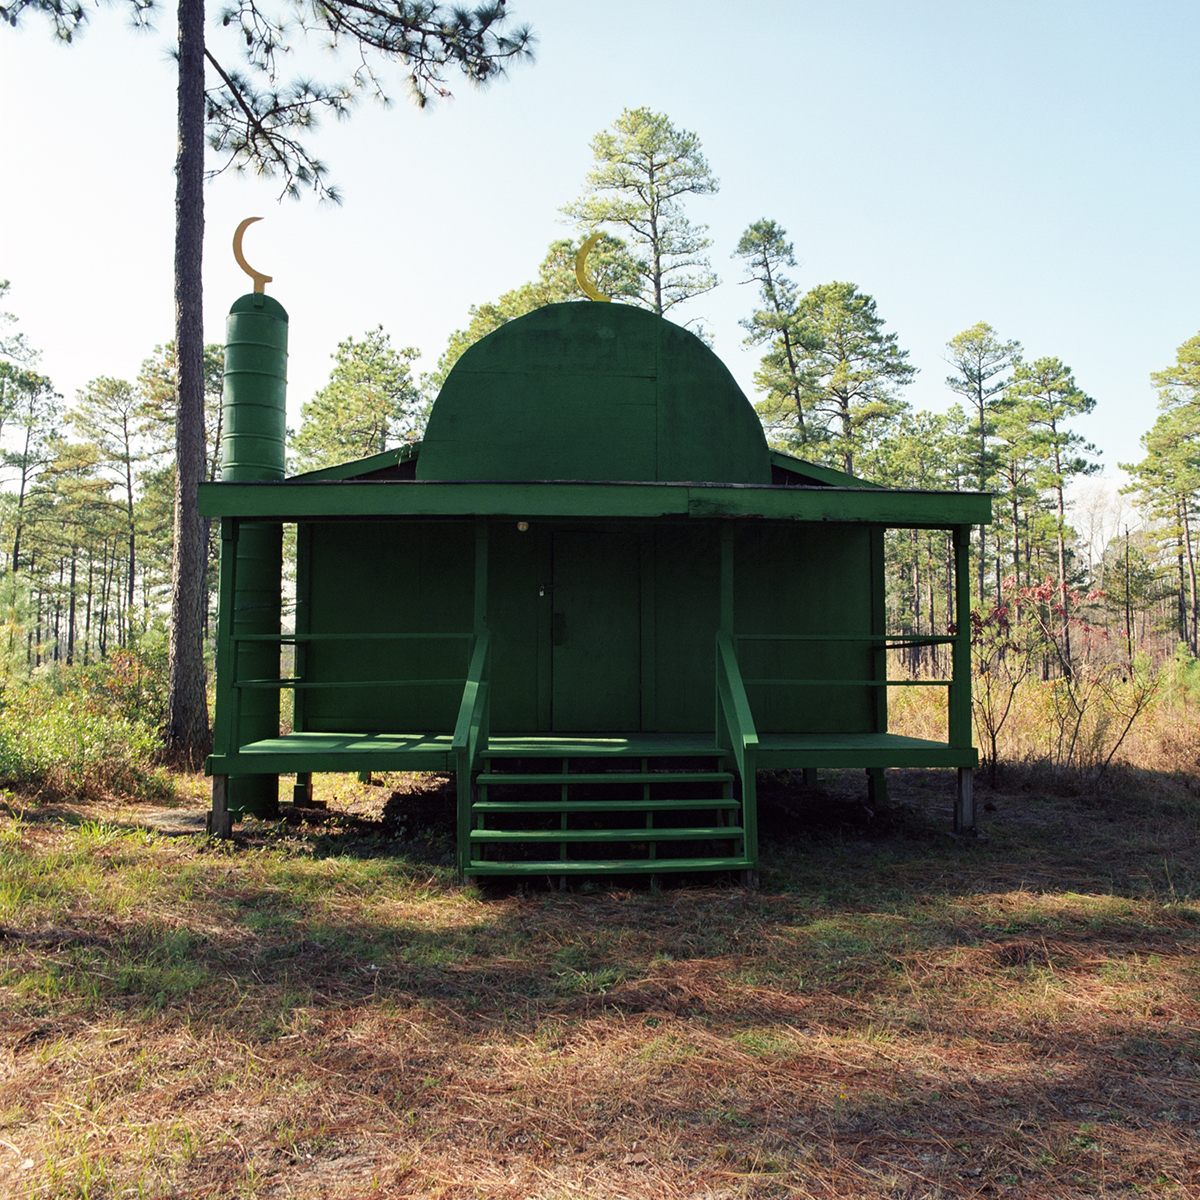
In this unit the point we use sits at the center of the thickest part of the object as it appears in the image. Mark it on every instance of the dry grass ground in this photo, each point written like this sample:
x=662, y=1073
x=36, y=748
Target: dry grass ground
x=322, y=1012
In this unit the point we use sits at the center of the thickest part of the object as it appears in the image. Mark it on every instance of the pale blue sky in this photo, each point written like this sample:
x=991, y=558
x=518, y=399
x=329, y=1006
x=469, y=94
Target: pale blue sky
x=1032, y=164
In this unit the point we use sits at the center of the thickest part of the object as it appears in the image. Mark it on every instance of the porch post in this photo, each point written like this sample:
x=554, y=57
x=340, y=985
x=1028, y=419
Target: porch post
x=226, y=715
x=302, y=790
x=749, y=774
x=877, y=793
x=960, y=688
x=464, y=783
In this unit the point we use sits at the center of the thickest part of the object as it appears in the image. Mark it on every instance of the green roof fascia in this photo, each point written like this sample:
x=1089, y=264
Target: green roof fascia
x=291, y=500
x=823, y=475
x=361, y=466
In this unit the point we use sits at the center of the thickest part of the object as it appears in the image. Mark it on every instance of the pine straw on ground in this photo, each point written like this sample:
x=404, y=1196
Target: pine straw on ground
x=319, y=1011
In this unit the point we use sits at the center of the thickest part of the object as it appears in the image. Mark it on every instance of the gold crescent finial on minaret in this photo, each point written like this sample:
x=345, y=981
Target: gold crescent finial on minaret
x=590, y=290
x=260, y=280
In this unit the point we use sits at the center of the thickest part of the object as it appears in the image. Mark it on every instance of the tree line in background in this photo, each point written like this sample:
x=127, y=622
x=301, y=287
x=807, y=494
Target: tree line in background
x=85, y=517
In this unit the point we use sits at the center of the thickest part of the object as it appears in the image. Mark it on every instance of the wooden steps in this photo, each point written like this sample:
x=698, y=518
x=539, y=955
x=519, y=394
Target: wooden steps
x=713, y=833
x=608, y=866
x=583, y=806
x=491, y=778
x=576, y=795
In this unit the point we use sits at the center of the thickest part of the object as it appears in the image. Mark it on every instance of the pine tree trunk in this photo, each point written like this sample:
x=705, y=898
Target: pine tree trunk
x=981, y=408
x=105, y=582
x=1181, y=615
x=187, y=720
x=1191, y=566
x=87, y=609
x=655, y=251
x=118, y=607
x=129, y=607
x=1016, y=533
x=916, y=586
x=58, y=611
x=1062, y=581
x=71, y=609
x=951, y=615
x=18, y=523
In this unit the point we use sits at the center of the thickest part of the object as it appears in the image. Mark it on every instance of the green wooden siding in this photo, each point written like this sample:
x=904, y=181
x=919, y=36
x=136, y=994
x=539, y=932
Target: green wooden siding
x=686, y=569
x=596, y=628
x=804, y=580
x=399, y=578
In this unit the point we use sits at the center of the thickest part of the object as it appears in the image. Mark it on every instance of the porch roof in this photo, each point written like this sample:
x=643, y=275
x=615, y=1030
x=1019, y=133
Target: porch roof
x=300, y=499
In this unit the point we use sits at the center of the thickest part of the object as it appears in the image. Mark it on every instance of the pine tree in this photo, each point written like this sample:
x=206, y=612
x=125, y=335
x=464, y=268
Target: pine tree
x=13, y=346
x=982, y=368
x=35, y=418
x=644, y=168
x=70, y=513
x=767, y=253
x=850, y=369
x=369, y=403
x=106, y=416
x=1044, y=398
x=922, y=451
x=1168, y=478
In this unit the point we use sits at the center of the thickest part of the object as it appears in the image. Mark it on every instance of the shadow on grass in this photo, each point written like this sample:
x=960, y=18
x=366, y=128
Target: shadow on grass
x=894, y=1013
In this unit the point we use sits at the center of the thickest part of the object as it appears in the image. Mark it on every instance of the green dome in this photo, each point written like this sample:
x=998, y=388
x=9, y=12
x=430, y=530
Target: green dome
x=593, y=391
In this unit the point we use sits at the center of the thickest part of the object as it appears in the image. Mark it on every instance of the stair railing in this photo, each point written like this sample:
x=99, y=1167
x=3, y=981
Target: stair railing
x=470, y=740
x=737, y=736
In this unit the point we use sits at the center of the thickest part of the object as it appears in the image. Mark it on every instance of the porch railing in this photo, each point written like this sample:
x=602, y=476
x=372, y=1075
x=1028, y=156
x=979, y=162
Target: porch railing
x=882, y=643
x=231, y=688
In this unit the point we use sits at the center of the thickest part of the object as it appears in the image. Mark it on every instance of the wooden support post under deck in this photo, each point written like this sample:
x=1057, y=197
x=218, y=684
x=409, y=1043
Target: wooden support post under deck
x=220, y=820
x=302, y=792
x=877, y=793
x=964, y=802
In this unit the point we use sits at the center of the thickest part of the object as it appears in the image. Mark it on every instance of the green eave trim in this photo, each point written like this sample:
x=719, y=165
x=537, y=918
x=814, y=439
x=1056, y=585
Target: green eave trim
x=361, y=466
x=824, y=475
x=292, y=500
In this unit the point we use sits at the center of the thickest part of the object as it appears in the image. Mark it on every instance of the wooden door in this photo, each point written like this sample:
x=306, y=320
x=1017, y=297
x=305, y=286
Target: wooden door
x=596, y=632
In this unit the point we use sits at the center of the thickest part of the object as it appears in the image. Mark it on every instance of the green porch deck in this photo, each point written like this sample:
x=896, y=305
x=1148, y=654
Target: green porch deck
x=319, y=752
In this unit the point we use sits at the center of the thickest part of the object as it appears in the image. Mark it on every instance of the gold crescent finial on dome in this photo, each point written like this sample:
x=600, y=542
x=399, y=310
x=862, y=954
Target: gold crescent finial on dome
x=590, y=290
x=260, y=280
